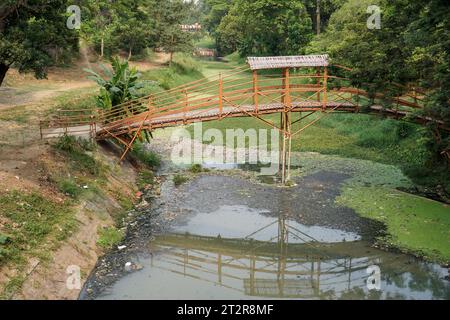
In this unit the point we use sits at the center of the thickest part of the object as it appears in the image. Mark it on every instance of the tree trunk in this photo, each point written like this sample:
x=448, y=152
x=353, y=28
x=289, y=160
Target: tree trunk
x=318, y=18
x=171, y=58
x=129, y=54
x=102, y=48
x=3, y=70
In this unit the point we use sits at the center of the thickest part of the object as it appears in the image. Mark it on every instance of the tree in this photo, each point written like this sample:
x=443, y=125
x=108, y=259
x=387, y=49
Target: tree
x=169, y=15
x=99, y=20
x=175, y=40
x=215, y=11
x=134, y=29
x=34, y=36
x=322, y=9
x=267, y=27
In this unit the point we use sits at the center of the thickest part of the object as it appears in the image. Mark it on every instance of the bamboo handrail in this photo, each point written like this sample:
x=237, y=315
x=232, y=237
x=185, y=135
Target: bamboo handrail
x=219, y=91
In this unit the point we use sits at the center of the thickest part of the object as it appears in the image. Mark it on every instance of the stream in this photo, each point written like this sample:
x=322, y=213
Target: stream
x=223, y=236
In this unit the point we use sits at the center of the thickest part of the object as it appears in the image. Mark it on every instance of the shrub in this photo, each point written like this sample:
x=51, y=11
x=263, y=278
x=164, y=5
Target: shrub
x=145, y=177
x=149, y=158
x=70, y=188
x=196, y=168
x=109, y=237
x=179, y=179
x=66, y=143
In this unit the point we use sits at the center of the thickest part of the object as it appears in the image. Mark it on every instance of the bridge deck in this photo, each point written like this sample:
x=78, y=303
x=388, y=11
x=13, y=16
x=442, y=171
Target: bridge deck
x=211, y=114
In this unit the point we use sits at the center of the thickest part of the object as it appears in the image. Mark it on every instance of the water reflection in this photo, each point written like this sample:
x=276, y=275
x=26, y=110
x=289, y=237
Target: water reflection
x=287, y=263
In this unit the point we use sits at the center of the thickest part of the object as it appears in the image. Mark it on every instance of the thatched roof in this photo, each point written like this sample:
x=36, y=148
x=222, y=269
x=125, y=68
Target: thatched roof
x=257, y=63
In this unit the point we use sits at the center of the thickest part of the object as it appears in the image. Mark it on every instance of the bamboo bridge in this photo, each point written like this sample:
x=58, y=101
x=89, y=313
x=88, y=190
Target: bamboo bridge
x=299, y=88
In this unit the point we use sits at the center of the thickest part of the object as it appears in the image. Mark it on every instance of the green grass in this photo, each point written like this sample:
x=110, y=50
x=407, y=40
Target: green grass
x=184, y=69
x=33, y=219
x=145, y=178
x=109, y=237
x=76, y=150
x=18, y=114
x=70, y=188
x=13, y=285
x=414, y=224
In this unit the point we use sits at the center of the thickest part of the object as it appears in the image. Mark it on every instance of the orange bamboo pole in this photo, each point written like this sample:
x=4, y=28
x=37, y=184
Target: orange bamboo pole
x=255, y=90
x=325, y=87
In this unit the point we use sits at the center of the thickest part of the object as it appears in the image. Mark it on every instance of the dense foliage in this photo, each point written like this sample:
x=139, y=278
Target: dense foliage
x=34, y=36
x=131, y=26
x=411, y=49
x=265, y=27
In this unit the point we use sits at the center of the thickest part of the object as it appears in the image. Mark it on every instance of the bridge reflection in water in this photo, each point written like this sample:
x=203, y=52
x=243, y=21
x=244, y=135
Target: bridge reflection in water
x=275, y=268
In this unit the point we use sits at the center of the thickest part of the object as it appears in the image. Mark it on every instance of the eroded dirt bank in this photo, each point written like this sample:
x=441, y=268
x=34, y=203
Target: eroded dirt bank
x=67, y=205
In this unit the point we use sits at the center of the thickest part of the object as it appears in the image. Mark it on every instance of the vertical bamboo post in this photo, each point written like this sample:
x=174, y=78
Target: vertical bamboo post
x=255, y=90
x=325, y=86
x=220, y=94
x=281, y=147
x=282, y=167
x=287, y=94
x=289, y=152
x=318, y=84
x=152, y=110
x=283, y=86
x=286, y=128
x=283, y=172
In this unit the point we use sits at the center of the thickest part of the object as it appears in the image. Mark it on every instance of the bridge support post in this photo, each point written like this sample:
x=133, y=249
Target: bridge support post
x=318, y=84
x=255, y=90
x=325, y=87
x=285, y=126
x=286, y=147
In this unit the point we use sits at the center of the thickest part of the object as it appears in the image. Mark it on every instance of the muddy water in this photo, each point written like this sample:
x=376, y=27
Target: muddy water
x=229, y=238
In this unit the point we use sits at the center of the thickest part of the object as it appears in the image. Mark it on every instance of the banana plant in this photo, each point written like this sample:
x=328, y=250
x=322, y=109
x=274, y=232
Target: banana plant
x=118, y=86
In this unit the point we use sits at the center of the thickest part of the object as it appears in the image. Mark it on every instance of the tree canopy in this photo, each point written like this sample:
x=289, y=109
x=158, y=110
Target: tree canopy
x=265, y=27
x=412, y=48
x=34, y=35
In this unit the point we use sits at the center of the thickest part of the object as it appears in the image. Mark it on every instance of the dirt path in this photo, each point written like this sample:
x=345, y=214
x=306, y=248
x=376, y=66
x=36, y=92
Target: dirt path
x=24, y=89
x=13, y=97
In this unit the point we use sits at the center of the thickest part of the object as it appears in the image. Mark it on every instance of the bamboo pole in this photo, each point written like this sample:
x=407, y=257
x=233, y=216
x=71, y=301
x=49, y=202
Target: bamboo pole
x=255, y=90
x=325, y=86
x=318, y=83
